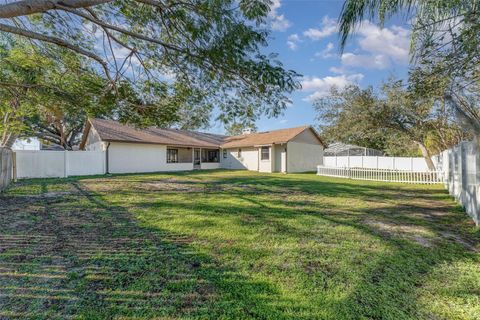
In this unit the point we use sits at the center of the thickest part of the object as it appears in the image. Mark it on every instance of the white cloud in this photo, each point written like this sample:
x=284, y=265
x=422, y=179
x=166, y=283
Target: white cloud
x=327, y=52
x=328, y=27
x=378, y=61
x=278, y=22
x=292, y=41
x=380, y=48
x=338, y=70
x=283, y=121
x=321, y=86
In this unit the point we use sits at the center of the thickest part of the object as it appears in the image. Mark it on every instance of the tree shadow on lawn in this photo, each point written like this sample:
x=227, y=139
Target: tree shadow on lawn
x=246, y=182
x=78, y=256
x=114, y=266
x=386, y=285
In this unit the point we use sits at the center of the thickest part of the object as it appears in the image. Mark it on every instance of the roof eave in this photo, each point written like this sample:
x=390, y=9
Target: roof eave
x=163, y=143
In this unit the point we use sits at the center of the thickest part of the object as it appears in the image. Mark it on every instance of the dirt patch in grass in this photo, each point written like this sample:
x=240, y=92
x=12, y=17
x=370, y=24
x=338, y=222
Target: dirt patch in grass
x=459, y=240
x=64, y=255
x=233, y=246
x=171, y=185
x=418, y=234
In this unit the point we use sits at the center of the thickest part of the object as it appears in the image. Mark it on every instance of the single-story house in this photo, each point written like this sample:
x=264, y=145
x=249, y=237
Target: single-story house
x=130, y=150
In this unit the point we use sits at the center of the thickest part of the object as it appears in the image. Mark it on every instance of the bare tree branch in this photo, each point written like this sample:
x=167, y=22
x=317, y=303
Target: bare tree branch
x=57, y=41
x=27, y=7
x=121, y=30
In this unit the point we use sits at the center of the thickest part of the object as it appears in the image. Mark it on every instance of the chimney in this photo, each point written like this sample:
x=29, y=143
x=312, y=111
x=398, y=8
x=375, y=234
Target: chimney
x=247, y=131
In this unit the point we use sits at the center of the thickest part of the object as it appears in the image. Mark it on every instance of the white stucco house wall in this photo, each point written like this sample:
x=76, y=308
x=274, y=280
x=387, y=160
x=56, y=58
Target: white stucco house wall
x=130, y=150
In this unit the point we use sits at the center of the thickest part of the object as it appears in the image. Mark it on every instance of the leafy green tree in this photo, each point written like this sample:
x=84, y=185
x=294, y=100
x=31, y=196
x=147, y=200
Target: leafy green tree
x=445, y=43
x=235, y=121
x=400, y=120
x=403, y=113
x=52, y=98
x=209, y=49
x=348, y=115
x=45, y=97
x=17, y=94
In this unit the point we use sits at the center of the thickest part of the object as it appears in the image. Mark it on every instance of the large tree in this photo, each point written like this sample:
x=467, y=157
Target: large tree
x=349, y=115
x=209, y=50
x=396, y=120
x=445, y=43
x=52, y=98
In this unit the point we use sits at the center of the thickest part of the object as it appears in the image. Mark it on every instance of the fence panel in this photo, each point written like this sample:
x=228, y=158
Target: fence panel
x=387, y=175
x=374, y=162
x=84, y=163
x=6, y=167
x=40, y=164
x=59, y=164
x=461, y=169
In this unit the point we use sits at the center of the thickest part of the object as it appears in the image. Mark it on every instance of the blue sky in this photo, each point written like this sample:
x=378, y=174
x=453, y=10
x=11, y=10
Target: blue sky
x=305, y=37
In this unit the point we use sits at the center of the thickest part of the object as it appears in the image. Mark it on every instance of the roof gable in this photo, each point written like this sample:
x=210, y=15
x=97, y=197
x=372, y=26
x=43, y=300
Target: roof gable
x=267, y=138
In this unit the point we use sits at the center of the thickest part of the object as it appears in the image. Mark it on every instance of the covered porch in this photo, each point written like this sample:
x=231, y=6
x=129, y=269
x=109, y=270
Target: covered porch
x=199, y=158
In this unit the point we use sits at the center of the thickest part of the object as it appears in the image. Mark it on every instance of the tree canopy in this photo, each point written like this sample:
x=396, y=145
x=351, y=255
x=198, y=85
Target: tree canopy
x=52, y=98
x=445, y=44
x=398, y=119
x=201, y=54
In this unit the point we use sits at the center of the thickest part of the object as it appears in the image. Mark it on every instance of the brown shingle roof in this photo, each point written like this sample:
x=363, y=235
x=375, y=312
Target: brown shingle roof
x=263, y=138
x=113, y=131
x=109, y=130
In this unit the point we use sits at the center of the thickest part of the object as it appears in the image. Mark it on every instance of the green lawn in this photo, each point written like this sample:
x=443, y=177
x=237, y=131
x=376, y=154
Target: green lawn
x=235, y=245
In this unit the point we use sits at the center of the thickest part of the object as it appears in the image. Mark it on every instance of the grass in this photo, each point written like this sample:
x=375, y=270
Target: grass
x=235, y=245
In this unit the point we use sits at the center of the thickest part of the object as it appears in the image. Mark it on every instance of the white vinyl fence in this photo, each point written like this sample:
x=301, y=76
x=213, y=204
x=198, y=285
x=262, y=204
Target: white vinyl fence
x=376, y=162
x=387, y=175
x=461, y=167
x=59, y=164
x=6, y=164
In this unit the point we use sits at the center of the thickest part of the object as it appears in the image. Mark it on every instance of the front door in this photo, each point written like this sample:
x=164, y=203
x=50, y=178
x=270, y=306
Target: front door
x=196, y=158
x=283, y=160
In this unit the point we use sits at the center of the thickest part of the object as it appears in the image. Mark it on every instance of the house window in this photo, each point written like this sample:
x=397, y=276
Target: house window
x=172, y=155
x=239, y=153
x=213, y=156
x=265, y=154
x=224, y=154
x=210, y=155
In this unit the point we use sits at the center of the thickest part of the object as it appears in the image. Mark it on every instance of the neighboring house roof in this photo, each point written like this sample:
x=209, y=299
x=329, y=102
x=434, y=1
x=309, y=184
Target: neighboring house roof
x=112, y=131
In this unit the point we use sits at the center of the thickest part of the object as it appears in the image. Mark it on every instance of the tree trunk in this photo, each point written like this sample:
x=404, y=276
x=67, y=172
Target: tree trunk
x=468, y=114
x=8, y=139
x=426, y=155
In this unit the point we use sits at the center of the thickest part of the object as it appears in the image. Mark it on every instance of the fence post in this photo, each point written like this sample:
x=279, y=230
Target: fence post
x=14, y=166
x=65, y=164
x=5, y=167
x=476, y=188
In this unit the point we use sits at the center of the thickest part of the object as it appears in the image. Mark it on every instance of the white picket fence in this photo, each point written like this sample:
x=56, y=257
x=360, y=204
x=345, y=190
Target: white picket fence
x=376, y=162
x=59, y=164
x=387, y=175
